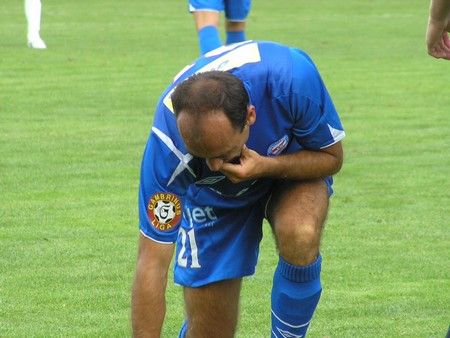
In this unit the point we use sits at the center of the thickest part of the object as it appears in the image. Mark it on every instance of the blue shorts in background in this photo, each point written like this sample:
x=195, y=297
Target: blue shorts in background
x=235, y=10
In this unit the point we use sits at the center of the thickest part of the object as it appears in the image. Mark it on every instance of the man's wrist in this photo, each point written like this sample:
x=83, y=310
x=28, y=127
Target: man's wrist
x=438, y=22
x=272, y=167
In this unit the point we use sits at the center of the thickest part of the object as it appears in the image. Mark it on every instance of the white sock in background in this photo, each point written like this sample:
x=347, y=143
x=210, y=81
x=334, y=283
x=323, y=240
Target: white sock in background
x=33, y=14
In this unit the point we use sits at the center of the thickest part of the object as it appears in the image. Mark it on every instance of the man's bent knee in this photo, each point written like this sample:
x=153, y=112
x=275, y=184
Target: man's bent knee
x=298, y=243
x=297, y=213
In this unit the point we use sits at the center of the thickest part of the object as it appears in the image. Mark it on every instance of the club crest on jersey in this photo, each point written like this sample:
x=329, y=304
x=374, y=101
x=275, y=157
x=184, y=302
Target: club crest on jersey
x=277, y=147
x=164, y=211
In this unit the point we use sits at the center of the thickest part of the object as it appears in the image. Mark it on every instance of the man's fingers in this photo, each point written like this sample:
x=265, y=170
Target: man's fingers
x=437, y=51
x=441, y=49
x=245, y=151
x=446, y=40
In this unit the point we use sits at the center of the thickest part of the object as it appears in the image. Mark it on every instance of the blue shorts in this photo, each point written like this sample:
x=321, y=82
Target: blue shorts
x=216, y=244
x=235, y=10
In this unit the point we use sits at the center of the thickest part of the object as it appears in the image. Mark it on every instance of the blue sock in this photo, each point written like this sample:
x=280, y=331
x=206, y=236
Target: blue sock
x=183, y=330
x=295, y=294
x=209, y=39
x=233, y=37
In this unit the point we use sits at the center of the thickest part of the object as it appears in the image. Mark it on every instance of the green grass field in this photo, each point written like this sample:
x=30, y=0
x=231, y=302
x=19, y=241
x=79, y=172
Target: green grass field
x=74, y=121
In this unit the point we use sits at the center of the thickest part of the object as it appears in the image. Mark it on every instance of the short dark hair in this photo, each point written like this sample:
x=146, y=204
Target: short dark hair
x=211, y=91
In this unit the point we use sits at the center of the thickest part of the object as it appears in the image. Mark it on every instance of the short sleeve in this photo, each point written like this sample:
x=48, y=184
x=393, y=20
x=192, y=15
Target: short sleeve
x=165, y=175
x=316, y=122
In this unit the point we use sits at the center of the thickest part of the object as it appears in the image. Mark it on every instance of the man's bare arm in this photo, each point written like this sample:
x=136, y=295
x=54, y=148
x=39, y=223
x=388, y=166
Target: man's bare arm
x=305, y=164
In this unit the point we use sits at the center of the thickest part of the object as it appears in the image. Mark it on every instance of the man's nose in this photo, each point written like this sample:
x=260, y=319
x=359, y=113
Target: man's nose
x=214, y=164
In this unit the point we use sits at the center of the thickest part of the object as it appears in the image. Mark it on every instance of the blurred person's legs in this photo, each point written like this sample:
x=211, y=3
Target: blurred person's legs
x=207, y=30
x=236, y=12
x=207, y=19
x=33, y=10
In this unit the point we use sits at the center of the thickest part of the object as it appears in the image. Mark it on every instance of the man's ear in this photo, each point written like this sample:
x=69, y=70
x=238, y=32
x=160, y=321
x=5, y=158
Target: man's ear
x=251, y=115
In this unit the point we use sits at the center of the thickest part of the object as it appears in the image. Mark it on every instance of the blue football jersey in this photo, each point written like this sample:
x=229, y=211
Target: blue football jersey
x=293, y=112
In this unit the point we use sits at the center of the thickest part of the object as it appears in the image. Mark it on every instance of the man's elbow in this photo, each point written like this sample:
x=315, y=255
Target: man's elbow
x=337, y=153
x=337, y=165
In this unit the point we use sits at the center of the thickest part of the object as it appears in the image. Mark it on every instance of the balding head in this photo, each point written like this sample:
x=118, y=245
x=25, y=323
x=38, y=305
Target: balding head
x=212, y=92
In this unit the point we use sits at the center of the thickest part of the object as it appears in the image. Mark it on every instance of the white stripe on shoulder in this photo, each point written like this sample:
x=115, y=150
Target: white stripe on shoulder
x=184, y=158
x=237, y=55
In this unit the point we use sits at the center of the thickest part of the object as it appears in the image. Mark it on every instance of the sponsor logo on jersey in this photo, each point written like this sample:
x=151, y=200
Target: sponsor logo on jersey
x=164, y=211
x=277, y=147
x=201, y=216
